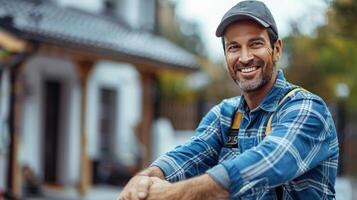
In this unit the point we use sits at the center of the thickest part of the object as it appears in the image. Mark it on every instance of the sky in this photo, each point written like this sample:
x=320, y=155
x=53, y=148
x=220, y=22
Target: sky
x=208, y=13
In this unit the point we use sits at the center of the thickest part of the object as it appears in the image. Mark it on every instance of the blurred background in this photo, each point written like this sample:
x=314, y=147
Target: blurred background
x=92, y=91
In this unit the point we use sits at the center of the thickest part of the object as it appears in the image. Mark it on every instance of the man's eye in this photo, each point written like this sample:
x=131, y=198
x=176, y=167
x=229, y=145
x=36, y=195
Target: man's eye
x=256, y=44
x=232, y=48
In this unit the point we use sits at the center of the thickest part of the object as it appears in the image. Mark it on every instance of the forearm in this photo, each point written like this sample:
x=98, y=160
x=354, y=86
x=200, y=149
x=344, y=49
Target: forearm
x=138, y=186
x=189, y=160
x=200, y=188
x=152, y=171
x=197, y=155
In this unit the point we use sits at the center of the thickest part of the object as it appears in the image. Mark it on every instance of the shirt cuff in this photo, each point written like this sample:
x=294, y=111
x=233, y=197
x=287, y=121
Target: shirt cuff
x=220, y=175
x=171, y=174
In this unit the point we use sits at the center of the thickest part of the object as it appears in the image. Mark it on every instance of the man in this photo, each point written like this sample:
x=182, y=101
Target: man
x=276, y=141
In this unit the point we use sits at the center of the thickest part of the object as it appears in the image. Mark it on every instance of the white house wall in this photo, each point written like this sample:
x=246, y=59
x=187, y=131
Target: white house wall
x=138, y=14
x=129, y=10
x=37, y=70
x=89, y=5
x=126, y=81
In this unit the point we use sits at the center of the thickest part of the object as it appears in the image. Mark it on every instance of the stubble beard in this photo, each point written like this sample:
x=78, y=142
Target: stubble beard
x=256, y=84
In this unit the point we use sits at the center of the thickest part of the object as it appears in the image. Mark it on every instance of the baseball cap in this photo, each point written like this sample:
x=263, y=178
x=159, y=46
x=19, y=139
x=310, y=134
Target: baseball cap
x=253, y=10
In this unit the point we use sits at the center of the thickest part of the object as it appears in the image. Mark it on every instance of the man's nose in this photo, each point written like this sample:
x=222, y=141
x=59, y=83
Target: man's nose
x=245, y=56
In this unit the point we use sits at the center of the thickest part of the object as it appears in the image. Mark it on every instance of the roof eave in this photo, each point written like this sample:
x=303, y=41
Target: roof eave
x=105, y=52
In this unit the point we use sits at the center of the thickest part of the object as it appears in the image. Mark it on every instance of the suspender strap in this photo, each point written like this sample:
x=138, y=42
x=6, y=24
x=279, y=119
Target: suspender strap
x=237, y=119
x=238, y=115
x=268, y=128
x=236, y=125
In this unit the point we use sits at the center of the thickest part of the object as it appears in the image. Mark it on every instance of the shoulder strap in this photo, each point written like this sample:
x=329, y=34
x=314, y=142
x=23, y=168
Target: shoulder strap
x=236, y=121
x=268, y=128
x=238, y=115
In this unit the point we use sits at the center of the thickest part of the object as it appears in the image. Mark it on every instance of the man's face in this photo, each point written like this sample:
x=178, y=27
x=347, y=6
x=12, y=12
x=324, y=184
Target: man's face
x=250, y=58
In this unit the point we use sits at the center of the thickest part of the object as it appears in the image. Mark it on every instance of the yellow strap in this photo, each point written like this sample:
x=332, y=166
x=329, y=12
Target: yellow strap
x=268, y=128
x=238, y=115
x=237, y=119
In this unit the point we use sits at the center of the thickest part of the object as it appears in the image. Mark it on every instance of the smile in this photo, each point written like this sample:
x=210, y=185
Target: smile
x=248, y=70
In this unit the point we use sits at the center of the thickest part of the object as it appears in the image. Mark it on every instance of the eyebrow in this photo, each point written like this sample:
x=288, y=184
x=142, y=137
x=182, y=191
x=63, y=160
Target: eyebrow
x=230, y=42
x=258, y=38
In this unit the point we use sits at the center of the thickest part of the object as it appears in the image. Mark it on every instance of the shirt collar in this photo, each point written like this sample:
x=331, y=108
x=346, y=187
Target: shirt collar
x=272, y=99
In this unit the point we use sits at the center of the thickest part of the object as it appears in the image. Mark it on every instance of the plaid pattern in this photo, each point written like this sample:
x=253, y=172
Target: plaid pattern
x=300, y=153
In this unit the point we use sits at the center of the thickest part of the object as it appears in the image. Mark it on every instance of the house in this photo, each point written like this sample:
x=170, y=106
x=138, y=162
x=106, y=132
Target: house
x=80, y=90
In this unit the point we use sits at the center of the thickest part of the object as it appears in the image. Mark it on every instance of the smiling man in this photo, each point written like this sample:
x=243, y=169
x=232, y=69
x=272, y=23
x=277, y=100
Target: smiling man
x=276, y=141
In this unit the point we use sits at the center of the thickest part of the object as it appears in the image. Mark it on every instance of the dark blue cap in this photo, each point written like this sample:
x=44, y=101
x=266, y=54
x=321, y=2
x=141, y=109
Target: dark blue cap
x=248, y=10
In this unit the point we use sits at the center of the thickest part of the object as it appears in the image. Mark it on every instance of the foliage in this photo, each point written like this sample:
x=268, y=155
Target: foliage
x=3, y=54
x=180, y=31
x=173, y=86
x=185, y=34
x=320, y=62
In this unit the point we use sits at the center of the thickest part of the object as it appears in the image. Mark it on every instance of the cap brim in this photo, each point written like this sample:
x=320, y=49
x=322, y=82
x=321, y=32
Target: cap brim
x=238, y=17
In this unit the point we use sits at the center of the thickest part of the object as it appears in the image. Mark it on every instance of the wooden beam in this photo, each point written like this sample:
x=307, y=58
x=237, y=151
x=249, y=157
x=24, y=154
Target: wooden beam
x=16, y=90
x=85, y=182
x=147, y=116
x=12, y=43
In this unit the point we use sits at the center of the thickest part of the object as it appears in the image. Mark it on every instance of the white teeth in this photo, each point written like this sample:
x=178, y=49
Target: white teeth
x=247, y=70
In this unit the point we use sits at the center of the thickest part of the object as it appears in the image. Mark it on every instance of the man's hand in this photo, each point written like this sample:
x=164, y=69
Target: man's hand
x=198, y=188
x=136, y=189
x=163, y=190
x=138, y=186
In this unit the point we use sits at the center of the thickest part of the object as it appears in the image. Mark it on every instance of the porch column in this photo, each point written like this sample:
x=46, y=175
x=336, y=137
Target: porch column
x=148, y=81
x=16, y=89
x=85, y=182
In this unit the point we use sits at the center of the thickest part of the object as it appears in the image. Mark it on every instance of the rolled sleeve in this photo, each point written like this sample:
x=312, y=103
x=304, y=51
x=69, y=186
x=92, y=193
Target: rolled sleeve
x=171, y=169
x=220, y=175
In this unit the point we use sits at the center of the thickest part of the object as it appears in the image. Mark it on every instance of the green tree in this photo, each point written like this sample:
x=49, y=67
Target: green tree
x=322, y=61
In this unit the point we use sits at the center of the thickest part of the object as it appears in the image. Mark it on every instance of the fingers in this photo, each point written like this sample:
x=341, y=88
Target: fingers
x=143, y=187
x=133, y=194
x=125, y=195
x=155, y=180
x=160, y=190
x=136, y=189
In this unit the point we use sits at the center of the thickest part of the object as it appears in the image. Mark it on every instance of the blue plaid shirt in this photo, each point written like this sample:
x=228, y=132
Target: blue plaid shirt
x=300, y=153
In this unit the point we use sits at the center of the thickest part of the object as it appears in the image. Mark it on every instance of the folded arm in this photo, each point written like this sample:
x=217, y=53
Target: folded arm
x=196, y=156
x=299, y=141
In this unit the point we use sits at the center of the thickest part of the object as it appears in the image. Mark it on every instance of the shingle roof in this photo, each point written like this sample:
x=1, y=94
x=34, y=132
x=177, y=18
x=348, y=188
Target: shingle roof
x=48, y=22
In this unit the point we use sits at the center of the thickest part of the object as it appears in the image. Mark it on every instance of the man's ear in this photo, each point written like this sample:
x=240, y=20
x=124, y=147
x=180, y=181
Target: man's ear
x=278, y=50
